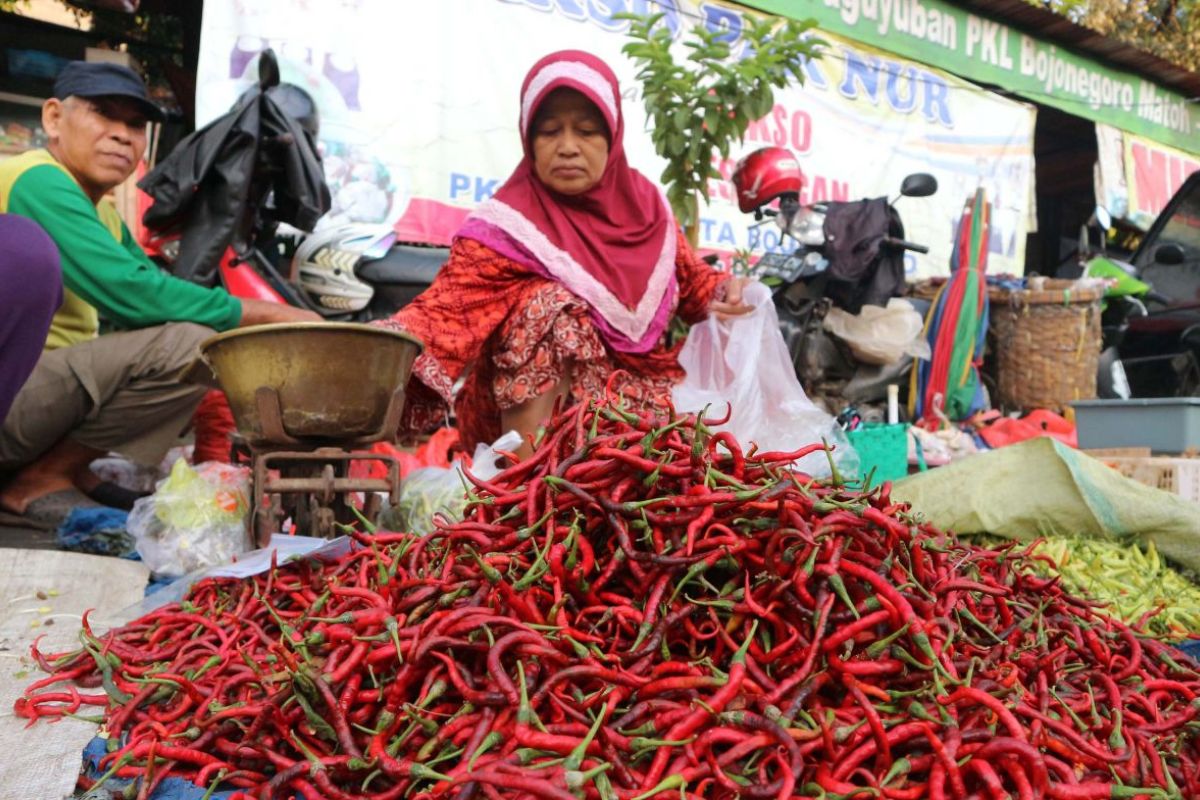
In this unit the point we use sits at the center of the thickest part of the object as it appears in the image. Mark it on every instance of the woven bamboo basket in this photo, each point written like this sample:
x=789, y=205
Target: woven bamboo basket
x=1046, y=344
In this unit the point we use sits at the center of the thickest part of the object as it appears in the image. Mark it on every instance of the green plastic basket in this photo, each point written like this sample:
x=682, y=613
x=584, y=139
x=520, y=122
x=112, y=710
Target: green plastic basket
x=882, y=451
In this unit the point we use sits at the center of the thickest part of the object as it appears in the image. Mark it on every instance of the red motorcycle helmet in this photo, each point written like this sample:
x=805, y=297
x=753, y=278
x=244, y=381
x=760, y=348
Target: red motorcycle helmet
x=764, y=175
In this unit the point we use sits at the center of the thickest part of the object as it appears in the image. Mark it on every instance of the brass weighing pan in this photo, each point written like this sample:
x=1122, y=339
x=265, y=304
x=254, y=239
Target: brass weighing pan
x=313, y=382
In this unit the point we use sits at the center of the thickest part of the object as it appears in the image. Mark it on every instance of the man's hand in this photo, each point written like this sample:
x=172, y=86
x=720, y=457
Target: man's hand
x=732, y=305
x=262, y=312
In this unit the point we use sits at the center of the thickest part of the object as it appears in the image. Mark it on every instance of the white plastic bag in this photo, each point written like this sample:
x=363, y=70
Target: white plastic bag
x=486, y=460
x=196, y=518
x=939, y=448
x=441, y=491
x=744, y=361
x=878, y=335
x=114, y=468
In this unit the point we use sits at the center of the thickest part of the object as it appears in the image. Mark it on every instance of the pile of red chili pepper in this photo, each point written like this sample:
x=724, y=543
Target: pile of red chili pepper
x=641, y=609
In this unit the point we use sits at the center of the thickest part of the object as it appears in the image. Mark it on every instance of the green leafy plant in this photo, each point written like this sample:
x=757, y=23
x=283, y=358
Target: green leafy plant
x=703, y=106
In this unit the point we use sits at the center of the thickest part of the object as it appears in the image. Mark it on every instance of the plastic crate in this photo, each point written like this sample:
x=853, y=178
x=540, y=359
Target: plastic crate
x=1164, y=424
x=1180, y=476
x=882, y=451
x=1104, y=453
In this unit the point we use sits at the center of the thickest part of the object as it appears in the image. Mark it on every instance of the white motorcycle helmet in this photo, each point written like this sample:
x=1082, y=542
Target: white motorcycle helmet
x=326, y=263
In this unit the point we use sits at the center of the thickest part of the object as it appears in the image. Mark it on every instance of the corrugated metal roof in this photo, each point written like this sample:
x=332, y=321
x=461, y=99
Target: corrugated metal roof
x=1047, y=25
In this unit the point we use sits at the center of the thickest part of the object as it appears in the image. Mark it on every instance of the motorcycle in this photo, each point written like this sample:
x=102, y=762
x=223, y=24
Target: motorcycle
x=243, y=215
x=845, y=255
x=1150, y=340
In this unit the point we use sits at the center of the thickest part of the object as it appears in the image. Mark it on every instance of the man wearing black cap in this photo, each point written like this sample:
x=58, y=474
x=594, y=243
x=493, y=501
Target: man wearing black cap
x=122, y=392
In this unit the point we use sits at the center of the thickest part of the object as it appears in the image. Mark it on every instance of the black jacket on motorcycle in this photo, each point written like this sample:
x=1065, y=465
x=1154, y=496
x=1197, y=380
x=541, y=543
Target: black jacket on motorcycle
x=214, y=184
x=862, y=271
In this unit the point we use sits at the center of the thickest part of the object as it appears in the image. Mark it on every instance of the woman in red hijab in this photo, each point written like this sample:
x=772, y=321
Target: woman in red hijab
x=573, y=270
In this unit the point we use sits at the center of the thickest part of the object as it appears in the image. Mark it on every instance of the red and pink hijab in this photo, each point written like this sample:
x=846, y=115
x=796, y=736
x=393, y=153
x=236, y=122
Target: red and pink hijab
x=614, y=245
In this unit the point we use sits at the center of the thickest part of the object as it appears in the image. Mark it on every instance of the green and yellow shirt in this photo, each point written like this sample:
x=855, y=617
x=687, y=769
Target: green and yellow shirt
x=105, y=273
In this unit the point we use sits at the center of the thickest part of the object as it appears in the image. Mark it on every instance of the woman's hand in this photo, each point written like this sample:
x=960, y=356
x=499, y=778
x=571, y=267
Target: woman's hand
x=731, y=305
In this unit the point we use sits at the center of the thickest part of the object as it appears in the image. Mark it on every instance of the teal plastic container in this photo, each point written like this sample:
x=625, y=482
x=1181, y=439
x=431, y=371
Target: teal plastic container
x=882, y=451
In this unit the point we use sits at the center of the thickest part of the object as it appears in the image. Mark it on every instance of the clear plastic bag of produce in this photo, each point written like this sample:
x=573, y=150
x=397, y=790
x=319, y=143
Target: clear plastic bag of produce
x=744, y=361
x=425, y=494
x=196, y=518
x=431, y=493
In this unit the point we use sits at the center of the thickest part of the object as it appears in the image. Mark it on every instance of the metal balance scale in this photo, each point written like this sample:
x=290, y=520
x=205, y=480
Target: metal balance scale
x=306, y=399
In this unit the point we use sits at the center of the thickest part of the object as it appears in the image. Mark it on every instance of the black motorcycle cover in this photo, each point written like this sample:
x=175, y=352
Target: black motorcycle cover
x=214, y=183
x=861, y=271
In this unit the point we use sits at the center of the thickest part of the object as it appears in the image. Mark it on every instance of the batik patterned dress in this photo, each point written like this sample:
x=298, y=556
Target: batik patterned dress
x=511, y=335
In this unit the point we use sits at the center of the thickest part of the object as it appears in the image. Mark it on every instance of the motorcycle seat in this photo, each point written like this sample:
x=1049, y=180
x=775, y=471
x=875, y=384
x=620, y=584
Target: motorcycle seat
x=405, y=264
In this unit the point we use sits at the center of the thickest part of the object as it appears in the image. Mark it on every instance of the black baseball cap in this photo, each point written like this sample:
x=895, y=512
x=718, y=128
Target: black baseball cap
x=100, y=79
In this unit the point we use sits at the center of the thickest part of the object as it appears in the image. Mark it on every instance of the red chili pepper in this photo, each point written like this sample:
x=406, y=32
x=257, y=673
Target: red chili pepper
x=674, y=610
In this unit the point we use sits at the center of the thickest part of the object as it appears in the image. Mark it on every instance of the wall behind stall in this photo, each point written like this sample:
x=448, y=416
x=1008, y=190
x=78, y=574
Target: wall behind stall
x=1065, y=152
x=419, y=113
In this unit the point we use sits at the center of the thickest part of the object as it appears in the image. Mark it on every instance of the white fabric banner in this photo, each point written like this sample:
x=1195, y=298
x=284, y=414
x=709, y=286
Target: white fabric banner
x=1111, y=189
x=419, y=113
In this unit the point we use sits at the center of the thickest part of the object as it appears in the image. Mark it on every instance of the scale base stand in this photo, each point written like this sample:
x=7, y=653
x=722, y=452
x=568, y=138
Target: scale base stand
x=314, y=488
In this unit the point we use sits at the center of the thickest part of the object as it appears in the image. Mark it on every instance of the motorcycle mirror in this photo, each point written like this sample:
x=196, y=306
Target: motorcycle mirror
x=1191, y=337
x=1169, y=254
x=268, y=69
x=919, y=184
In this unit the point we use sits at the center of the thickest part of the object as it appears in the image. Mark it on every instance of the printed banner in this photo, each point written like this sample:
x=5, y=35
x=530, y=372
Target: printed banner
x=1138, y=177
x=1153, y=174
x=419, y=113
x=981, y=49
